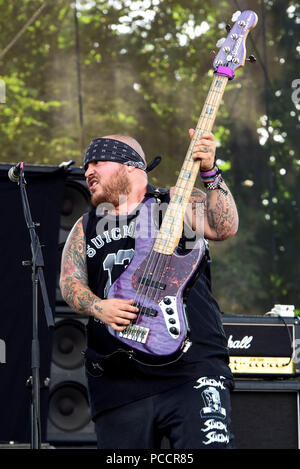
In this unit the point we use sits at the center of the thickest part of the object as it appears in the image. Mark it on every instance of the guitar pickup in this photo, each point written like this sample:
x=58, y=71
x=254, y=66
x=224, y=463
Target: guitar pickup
x=152, y=283
x=146, y=311
x=135, y=333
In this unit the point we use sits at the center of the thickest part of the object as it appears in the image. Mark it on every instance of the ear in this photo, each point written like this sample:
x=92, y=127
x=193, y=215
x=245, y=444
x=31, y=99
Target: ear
x=130, y=169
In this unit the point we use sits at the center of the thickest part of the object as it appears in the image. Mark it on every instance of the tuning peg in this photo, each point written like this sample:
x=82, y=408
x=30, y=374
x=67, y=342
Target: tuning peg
x=251, y=59
x=213, y=54
x=235, y=16
x=220, y=42
x=228, y=28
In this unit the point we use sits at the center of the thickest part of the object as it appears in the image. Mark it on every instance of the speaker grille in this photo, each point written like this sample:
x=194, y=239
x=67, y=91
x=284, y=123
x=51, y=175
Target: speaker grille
x=69, y=417
x=265, y=414
x=69, y=407
x=76, y=201
x=68, y=343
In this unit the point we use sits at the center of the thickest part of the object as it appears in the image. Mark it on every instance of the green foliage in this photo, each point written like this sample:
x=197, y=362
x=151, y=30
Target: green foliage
x=146, y=69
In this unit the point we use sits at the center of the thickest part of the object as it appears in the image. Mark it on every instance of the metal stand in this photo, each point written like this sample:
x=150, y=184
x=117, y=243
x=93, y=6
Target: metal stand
x=37, y=264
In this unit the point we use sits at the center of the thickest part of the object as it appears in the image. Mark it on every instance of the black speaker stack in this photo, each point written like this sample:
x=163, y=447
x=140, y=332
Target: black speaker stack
x=69, y=420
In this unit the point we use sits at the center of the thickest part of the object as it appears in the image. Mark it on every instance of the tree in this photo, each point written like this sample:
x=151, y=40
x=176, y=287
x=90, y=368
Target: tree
x=145, y=70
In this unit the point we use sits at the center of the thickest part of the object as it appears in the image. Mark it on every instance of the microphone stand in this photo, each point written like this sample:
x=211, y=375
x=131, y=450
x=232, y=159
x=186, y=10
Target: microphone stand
x=37, y=264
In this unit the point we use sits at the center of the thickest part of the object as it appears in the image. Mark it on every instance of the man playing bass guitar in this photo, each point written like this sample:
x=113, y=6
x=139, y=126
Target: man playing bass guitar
x=139, y=394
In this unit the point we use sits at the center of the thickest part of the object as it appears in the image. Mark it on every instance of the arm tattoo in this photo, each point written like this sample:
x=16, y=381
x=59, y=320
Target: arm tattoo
x=221, y=213
x=218, y=210
x=73, y=278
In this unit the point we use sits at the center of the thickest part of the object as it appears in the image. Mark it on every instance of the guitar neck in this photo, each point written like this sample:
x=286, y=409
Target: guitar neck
x=171, y=228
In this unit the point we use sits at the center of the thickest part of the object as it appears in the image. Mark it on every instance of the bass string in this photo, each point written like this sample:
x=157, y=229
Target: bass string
x=151, y=267
x=144, y=288
x=155, y=262
x=142, y=281
x=151, y=293
x=155, y=267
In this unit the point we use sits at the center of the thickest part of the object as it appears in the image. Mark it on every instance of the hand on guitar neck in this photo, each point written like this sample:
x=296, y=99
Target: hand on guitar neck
x=212, y=214
x=204, y=150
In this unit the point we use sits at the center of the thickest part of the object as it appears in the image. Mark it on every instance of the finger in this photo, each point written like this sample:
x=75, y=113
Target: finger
x=126, y=305
x=116, y=327
x=127, y=308
x=204, y=157
x=206, y=141
x=191, y=132
x=208, y=135
x=122, y=321
x=126, y=315
x=204, y=150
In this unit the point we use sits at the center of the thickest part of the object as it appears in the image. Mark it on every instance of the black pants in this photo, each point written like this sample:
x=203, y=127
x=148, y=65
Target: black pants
x=193, y=415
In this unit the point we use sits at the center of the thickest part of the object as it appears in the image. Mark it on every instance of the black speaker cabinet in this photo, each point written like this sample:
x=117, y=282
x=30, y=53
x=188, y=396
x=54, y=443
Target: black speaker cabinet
x=69, y=419
x=265, y=414
x=69, y=422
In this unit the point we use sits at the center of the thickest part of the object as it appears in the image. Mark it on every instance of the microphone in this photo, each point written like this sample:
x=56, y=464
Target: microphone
x=14, y=172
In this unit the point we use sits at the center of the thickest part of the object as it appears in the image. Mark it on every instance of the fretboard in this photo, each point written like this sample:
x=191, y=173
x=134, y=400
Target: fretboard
x=172, y=224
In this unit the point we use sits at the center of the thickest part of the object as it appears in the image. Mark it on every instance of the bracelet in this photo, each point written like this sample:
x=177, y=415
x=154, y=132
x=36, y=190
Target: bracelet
x=216, y=184
x=210, y=175
x=208, y=172
x=212, y=179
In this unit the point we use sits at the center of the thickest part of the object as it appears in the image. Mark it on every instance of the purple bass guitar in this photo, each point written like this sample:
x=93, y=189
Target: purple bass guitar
x=158, y=273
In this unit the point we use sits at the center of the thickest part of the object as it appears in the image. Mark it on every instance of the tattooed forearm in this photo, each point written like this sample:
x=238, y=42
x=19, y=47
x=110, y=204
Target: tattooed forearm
x=214, y=214
x=73, y=278
x=221, y=213
x=73, y=258
x=80, y=298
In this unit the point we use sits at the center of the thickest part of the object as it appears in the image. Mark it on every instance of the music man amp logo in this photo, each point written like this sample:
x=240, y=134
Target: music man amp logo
x=2, y=351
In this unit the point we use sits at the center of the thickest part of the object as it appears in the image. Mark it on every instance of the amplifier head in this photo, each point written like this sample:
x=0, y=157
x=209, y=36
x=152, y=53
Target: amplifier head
x=263, y=345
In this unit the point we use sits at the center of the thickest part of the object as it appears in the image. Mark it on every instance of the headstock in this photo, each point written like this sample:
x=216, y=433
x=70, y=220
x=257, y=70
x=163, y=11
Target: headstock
x=232, y=54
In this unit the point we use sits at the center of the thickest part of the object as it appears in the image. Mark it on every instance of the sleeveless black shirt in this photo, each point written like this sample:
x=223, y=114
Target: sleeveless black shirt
x=114, y=377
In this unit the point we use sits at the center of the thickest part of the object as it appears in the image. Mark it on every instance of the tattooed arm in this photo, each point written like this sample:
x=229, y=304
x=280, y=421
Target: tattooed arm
x=214, y=213
x=75, y=290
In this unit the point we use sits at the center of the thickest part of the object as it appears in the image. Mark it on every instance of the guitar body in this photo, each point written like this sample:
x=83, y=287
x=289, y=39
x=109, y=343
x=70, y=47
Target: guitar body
x=160, y=296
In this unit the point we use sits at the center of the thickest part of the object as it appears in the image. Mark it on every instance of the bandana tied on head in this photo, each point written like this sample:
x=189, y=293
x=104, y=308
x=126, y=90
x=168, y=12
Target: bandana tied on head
x=108, y=149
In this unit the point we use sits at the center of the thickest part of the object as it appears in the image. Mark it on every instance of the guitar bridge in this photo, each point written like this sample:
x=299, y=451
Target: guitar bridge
x=135, y=333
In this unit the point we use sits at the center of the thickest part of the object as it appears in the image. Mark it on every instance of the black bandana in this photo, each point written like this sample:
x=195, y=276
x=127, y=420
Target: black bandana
x=107, y=149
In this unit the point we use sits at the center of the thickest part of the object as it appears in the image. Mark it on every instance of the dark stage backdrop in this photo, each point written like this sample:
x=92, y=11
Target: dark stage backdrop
x=45, y=187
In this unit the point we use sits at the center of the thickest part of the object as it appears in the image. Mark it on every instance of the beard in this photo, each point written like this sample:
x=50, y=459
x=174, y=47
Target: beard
x=113, y=192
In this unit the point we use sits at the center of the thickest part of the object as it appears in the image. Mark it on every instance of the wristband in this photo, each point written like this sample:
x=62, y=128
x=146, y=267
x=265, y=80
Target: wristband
x=216, y=184
x=210, y=175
